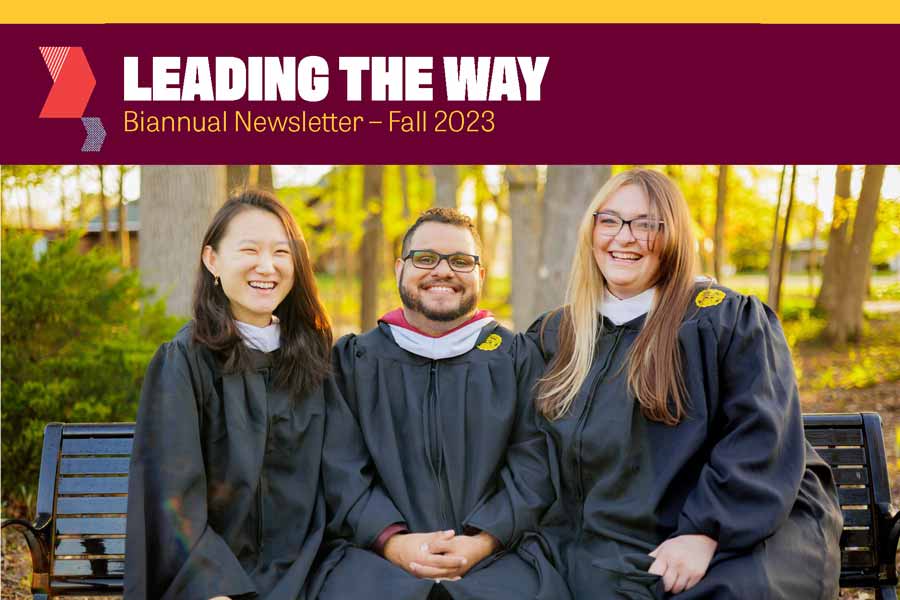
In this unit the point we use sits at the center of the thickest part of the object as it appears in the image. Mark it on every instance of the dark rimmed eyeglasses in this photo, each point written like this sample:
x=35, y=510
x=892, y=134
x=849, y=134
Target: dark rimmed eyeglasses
x=642, y=228
x=429, y=259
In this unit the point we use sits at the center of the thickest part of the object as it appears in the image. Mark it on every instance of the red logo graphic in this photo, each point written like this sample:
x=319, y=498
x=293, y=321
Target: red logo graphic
x=73, y=83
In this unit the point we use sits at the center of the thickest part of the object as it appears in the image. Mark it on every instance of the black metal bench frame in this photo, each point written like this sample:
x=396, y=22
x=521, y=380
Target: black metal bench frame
x=77, y=541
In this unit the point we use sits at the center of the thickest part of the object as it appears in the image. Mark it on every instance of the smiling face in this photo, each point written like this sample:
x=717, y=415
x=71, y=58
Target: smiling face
x=439, y=298
x=629, y=265
x=255, y=265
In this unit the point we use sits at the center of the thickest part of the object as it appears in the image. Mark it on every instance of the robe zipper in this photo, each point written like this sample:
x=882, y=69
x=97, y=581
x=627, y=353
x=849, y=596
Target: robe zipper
x=260, y=520
x=433, y=450
x=582, y=422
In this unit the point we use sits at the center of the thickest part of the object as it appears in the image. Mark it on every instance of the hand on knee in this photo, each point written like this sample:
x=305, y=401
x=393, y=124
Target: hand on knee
x=682, y=561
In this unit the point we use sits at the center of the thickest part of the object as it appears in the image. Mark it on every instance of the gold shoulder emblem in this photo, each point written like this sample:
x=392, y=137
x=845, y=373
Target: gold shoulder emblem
x=708, y=298
x=490, y=343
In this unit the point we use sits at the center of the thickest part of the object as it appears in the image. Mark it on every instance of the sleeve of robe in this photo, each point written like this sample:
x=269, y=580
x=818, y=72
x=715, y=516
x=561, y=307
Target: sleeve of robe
x=359, y=507
x=172, y=552
x=525, y=489
x=748, y=486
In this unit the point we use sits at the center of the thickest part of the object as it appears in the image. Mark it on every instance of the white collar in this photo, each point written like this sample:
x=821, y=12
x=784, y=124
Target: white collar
x=266, y=338
x=455, y=343
x=622, y=311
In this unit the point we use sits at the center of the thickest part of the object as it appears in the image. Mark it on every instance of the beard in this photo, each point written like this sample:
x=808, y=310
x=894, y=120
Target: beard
x=413, y=301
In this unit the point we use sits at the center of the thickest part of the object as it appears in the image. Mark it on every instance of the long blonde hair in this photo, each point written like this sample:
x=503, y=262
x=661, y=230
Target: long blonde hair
x=654, y=361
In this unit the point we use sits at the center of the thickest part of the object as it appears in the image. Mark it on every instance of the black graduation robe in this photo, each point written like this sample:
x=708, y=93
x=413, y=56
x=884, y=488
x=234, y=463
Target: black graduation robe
x=445, y=437
x=736, y=469
x=224, y=494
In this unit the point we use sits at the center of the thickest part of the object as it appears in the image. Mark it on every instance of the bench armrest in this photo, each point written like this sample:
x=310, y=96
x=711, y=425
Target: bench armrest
x=891, y=541
x=38, y=544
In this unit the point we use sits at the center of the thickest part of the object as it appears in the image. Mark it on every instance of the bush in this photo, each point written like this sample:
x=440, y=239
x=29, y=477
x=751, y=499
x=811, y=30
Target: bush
x=75, y=343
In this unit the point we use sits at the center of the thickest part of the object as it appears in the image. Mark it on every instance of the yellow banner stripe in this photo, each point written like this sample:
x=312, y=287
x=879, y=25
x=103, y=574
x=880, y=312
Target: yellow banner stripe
x=465, y=11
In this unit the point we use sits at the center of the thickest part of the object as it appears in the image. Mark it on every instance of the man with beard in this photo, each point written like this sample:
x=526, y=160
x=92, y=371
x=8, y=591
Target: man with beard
x=443, y=396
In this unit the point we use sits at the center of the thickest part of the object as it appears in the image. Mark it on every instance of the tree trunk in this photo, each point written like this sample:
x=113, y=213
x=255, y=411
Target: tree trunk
x=773, y=249
x=783, y=251
x=29, y=210
x=719, y=231
x=63, y=202
x=525, y=216
x=104, y=213
x=264, y=180
x=404, y=191
x=813, y=254
x=568, y=192
x=177, y=204
x=835, y=254
x=238, y=179
x=82, y=213
x=124, y=239
x=372, y=247
x=847, y=320
x=445, y=182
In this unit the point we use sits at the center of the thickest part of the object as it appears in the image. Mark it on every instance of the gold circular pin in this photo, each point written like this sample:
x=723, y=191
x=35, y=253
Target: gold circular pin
x=708, y=298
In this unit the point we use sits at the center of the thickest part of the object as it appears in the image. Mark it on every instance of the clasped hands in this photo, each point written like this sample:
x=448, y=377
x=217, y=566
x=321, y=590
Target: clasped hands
x=439, y=555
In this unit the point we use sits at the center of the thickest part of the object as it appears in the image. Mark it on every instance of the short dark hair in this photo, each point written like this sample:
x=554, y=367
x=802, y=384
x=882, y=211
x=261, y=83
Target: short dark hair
x=447, y=216
x=305, y=354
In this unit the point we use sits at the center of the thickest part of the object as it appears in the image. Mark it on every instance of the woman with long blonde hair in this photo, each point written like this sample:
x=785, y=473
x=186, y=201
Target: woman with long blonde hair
x=674, y=419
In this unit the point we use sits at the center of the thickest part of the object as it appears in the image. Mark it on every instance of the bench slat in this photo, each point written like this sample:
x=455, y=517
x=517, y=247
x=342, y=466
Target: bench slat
x=80, y=505
x=111, y=586
x=857, y=559
x=98, y=430
x=93, y=485
x=853, y=495
x=97, y=446
x=92, y=568
x=843, y=456
x=94, y=546
x=818, y=420
x=859, y=538
x=89, y=466
x=831, y=437
x=850, y=476
x=857, y=518
x=92, y=525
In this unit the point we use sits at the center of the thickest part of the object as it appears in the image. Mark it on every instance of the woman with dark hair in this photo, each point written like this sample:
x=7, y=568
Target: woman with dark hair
x=671, y=408
x=224, y=487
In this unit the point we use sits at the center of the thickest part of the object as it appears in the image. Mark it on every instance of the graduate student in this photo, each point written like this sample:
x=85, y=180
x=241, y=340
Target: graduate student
x=443, y=396
x=224, y=488
x=673, y=415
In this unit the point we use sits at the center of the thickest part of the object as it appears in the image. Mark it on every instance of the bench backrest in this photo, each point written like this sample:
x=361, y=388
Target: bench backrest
x=83, y=488
x=854, y=447
x=86, y=467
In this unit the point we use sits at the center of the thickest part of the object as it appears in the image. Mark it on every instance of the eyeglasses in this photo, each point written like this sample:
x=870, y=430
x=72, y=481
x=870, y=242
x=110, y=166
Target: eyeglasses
x=429, y=259
x=642, y=228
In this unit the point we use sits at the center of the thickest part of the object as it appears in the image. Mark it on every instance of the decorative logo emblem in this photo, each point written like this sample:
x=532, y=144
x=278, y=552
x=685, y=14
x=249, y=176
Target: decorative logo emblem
x=709, y=298
x=490, y=343
x=73, y=84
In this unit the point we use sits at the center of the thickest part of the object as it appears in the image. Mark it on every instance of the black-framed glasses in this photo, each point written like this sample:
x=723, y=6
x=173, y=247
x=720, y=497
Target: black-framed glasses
x=642, y=228
x=429, y=259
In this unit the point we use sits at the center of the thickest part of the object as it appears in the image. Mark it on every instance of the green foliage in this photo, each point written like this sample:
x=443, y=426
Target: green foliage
x=886, y=291
x=75, y=344
x=886, y=244
x=20, y=176
x=874, y=359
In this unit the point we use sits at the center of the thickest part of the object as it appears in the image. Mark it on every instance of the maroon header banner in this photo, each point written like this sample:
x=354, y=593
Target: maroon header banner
x=513, y=94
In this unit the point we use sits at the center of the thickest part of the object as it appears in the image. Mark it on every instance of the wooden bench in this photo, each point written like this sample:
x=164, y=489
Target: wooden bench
x=854, y=447
x=77, y=541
